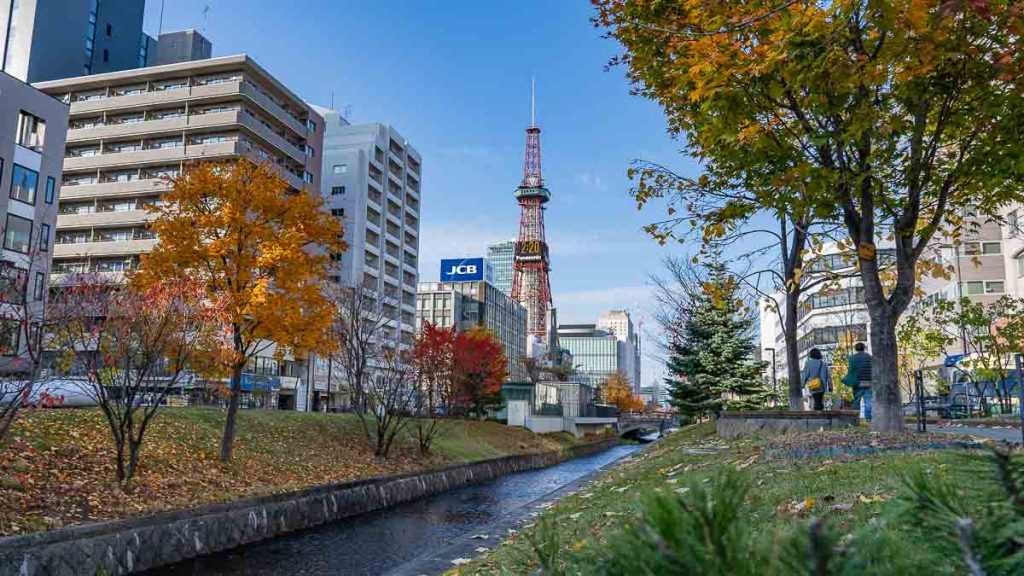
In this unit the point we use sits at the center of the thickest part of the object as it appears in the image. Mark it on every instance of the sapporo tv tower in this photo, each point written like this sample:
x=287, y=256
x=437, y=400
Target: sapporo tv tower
x=530, y=284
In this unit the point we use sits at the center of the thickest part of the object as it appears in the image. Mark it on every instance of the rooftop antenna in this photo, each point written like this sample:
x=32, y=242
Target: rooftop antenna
x=206, y=17
x=533, y=101
x=160, y=26
x=332, y=99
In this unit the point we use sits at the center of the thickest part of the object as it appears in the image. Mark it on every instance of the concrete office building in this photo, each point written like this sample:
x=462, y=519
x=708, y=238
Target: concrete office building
x=466, y=304
x=51, y=39
x=501, y=255
x=595, y=352
x=371, y=181
x=181, y=46
x=32, y=130
x=130, y=129
x=620, y=324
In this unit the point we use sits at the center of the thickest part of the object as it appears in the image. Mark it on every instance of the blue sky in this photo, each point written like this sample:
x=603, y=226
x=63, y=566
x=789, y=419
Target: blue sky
x=453, y=77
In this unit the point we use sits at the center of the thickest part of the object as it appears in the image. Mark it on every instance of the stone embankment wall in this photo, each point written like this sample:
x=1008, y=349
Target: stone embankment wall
x=136, y=544
x=768, y=423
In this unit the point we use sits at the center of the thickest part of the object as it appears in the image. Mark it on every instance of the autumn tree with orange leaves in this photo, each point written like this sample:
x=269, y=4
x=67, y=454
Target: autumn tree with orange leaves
x=617, y=392
x=480, y=369
x=890, y=118
x=263, y=253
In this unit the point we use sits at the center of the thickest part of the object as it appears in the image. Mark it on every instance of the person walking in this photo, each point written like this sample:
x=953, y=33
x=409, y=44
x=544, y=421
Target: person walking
x=817, y=378
x=858, y=377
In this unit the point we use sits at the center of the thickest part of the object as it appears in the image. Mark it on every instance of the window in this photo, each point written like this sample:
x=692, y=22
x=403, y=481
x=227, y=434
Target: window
x=991, y=248
x=110, y=29
x=31, y=131
x=8, y=338
x=18, y=234
x=339, y=212
x=106, y=55
x=310, y=126
x=337, y=190
x=310, y=151
x=340, y=168
x=44, y=237
x=973, y=288
x=1020, y=264
x=51, y=185
x=23, y=184
x=1013, y=223
x=39, y=286
x=307, y=177
x=994, y=287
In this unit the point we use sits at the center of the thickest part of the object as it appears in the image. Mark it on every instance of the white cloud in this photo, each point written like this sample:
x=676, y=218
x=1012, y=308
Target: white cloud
x=455, y=240
x=591, y=181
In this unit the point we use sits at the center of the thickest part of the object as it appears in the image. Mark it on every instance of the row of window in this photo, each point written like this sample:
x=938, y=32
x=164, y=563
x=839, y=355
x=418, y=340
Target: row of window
x=117, y=264
x=831, y=335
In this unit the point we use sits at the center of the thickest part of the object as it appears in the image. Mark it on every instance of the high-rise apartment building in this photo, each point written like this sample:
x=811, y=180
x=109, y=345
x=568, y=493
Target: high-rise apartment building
x=476, y=303
x=129, y=130
x=620, y=324
x=51, y=39
x=32, y=130
x=371, y=181
x=501, y=255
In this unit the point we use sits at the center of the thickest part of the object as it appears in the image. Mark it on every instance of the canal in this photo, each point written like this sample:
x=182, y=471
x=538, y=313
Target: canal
x=411, y=538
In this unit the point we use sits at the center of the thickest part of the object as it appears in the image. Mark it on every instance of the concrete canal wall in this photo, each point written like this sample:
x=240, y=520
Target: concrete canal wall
x=778, y=423
x=136, y=544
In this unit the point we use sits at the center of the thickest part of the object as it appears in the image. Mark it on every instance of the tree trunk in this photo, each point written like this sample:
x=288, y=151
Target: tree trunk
x=228, y=439
x=887, y=404
x=796, y=394
x=133, y=461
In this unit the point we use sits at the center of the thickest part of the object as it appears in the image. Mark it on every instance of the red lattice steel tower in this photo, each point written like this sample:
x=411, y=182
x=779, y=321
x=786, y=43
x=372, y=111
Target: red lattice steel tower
x=530, y=284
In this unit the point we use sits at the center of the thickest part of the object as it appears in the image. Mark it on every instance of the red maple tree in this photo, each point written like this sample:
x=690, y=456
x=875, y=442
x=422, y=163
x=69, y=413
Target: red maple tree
x=480, y=369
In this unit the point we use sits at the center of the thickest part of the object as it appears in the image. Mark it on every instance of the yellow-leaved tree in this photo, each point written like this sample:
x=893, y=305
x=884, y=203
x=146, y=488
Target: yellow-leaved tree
x=263, y=251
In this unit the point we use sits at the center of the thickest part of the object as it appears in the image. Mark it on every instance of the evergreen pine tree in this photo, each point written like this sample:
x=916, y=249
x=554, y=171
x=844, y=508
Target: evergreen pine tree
x=712, y=368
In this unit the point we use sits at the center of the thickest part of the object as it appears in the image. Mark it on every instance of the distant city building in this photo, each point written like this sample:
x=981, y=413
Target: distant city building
x=620, y=324
x=655, y=395
x=465, y=304
x=501, y=255
x=595, y=352
x=371, y=181
x=182, y=46
x=51, y=39
x=32, y=131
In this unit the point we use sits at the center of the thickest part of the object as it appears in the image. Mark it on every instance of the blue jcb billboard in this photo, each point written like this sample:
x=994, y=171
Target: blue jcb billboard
x=464, y=270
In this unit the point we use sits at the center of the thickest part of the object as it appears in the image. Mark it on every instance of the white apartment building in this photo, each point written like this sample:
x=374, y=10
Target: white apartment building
x=620, y=324
x=980, y=269
x=32, y=130
x=129, y=130
x=371, y=181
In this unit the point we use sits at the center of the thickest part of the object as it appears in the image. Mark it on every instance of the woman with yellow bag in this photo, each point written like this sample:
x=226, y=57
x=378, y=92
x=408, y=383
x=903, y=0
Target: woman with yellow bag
x=817, y=378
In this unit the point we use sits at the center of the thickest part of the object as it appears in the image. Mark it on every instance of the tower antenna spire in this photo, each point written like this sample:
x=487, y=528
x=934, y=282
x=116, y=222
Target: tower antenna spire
x=533, y=101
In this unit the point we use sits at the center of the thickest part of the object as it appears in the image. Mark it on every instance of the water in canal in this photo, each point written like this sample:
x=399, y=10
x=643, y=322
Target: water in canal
x=377, y=542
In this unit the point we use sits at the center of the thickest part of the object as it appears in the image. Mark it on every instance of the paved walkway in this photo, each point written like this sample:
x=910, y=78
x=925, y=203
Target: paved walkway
x=995, y=433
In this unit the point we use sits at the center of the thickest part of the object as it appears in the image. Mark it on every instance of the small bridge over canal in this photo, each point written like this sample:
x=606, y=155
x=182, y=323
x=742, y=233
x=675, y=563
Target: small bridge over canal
x=639, y=424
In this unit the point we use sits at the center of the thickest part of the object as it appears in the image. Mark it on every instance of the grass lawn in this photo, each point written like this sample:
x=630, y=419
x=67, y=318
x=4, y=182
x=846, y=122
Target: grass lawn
x=56, y=466
x=849, y=491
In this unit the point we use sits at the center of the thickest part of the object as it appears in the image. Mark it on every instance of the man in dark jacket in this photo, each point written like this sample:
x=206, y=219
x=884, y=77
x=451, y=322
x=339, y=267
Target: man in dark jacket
x=859, y=378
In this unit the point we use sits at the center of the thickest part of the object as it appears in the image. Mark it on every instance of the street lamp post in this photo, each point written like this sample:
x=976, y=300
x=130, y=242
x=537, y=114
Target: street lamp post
x=775, y=378
x=1020, y=397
